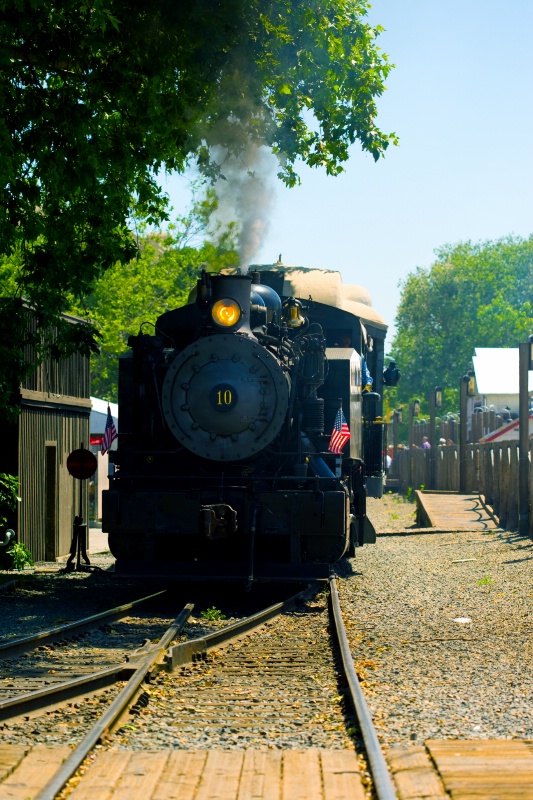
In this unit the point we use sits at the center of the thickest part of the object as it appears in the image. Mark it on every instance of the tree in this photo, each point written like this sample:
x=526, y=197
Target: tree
x=132, y=296
x=474, y=295
x=96, y=97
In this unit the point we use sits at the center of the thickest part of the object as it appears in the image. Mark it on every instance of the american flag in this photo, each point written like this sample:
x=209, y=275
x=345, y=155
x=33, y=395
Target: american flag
x=110, y=433
x=340, y=435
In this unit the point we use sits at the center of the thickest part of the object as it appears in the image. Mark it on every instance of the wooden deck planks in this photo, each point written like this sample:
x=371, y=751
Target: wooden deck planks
x=140, y=776
x=221, y=775
x=302, y=778
x=181, y=777
x=414, y=775
x=10, y=756
x=341, y=775
x=261, y=775
x=492, y=770
x=458, y=769
x=189, y=775
x=105, y=769
x=33, y=772
x=450, y=511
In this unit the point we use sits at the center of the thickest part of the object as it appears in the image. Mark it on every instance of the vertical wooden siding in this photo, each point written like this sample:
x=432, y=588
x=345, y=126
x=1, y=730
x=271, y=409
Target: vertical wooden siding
x=48, y=430
x=70, y=377
x=37, y=428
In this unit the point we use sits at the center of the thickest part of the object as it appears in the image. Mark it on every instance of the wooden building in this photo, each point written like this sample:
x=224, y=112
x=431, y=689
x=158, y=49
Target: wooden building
x=55, y=408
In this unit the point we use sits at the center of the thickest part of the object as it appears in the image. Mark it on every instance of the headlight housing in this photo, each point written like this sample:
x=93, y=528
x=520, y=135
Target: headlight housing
x=226, y=312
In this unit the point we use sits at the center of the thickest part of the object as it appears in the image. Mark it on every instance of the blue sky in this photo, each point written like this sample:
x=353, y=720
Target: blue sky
x=460, y=99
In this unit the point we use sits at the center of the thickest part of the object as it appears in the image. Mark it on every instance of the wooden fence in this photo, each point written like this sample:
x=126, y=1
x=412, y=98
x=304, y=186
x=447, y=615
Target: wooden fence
x=491, y=471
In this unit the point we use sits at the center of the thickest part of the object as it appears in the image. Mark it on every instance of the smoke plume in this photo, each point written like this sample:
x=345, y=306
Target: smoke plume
x=246, y=195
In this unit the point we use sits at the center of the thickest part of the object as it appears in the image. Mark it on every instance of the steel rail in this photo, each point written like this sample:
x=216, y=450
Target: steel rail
x=61, y=692
x=378, y=766
x=8, y=649
x=179, y=654
x=114, y=712
x=184, y=652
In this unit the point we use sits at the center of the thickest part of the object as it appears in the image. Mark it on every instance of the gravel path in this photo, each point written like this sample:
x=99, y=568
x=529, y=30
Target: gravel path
x=439, y=625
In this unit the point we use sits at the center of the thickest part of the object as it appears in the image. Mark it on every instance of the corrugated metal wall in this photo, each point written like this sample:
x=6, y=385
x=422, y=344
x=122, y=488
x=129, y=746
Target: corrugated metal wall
x=49, y=495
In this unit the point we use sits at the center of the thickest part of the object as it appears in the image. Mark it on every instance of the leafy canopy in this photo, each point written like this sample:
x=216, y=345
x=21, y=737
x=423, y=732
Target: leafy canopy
x=474, y=295
x=97, y=97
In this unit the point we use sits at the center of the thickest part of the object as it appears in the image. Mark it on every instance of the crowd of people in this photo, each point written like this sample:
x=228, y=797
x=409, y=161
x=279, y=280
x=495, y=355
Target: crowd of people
x=426, y=445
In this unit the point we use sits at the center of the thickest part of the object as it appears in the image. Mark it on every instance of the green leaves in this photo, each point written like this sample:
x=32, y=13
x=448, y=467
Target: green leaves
x=9, y=488
x=96, y=97
x=474, y=295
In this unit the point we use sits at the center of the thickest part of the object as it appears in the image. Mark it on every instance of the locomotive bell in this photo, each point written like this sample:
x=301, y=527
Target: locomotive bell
x=293, y=313
x=230, y=303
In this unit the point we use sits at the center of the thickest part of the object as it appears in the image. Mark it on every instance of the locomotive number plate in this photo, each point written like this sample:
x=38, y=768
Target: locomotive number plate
x=223, y=397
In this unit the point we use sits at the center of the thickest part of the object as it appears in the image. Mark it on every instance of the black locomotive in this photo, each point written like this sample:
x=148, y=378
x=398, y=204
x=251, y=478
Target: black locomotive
x=226, y=413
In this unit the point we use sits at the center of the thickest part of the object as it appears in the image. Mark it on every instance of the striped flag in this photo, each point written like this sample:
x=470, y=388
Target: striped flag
x=110, y=433
x=340, y=435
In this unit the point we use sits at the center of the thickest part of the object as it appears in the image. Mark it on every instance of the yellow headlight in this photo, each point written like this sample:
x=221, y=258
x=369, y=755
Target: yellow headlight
x=226, y=312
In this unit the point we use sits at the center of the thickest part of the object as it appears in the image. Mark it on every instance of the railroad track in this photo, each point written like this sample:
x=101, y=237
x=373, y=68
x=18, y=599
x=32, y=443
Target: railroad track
x=63, y=662
x=279, y=685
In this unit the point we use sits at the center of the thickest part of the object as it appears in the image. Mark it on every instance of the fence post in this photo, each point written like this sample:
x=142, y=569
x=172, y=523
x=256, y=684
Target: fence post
x=523, y=438
x=514, y=466
x=462, y=433
x=496, y=483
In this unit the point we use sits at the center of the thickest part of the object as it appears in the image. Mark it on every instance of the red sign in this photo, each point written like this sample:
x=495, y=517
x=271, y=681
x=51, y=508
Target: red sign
x=81, y=464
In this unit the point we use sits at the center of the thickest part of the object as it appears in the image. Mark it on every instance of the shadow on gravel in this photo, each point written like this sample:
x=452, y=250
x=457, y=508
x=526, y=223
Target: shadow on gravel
x=518, y=542
x=344, y=568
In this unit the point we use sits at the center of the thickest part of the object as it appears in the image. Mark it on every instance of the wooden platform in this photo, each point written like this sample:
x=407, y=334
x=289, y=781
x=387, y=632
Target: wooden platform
x=451, y=511
x=443, y=769
x=189, y=774
x=465, y=770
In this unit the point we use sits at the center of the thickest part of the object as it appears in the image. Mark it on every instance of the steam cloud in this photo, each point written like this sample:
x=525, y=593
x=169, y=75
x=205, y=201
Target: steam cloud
x=247, y=195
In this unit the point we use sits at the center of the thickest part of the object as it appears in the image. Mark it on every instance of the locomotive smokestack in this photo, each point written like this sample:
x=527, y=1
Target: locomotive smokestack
x=203, y=289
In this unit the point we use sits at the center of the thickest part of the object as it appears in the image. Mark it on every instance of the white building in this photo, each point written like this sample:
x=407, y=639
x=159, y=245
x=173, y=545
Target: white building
x=497, y=377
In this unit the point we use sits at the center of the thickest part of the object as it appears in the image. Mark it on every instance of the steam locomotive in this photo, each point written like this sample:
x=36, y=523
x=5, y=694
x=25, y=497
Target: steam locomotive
x=223, y=468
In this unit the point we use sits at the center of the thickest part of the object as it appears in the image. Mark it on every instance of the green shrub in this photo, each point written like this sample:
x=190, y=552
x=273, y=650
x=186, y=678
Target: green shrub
x=9, y=486
x=20, y=556
x=213, y=613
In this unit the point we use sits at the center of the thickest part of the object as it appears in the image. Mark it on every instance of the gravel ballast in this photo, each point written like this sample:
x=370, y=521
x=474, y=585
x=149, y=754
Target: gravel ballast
x=439, y=625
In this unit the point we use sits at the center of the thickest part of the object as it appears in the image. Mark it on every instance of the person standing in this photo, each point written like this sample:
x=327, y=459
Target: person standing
x=425, y=443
